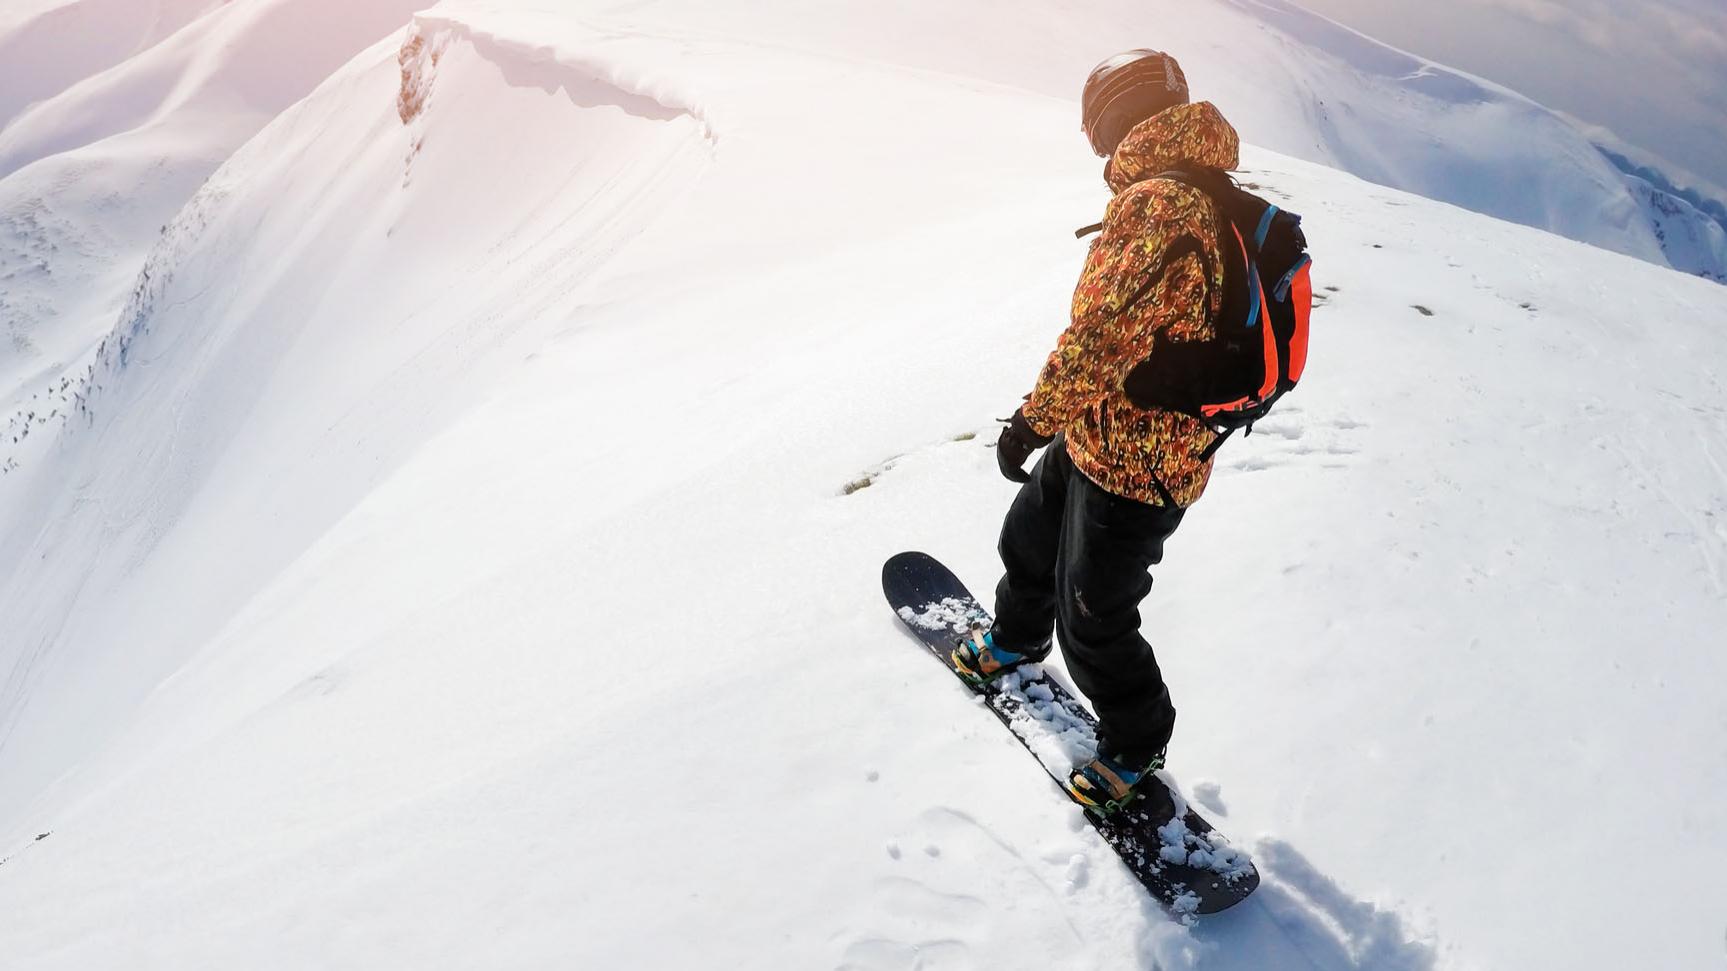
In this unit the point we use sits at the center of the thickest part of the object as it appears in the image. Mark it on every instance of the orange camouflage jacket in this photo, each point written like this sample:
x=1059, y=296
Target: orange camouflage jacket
x=1114, y=327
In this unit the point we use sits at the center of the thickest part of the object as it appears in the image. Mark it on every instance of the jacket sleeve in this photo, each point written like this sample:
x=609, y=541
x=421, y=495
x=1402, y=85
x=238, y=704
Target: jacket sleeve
x=1153, y=237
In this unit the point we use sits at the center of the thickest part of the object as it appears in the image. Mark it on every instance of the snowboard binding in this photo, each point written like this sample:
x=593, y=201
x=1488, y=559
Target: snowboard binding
x=978, y=660
x=1106, y=786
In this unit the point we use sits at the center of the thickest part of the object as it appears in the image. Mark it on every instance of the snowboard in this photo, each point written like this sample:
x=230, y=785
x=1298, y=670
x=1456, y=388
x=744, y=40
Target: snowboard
x=1185, y=864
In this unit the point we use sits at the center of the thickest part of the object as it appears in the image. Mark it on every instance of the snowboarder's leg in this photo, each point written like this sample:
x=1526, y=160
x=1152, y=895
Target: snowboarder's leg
x=1107, y=550
x=1030, y=542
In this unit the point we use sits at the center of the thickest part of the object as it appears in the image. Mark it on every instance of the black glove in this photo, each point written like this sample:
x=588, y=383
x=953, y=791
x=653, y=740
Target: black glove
x=1015, y=445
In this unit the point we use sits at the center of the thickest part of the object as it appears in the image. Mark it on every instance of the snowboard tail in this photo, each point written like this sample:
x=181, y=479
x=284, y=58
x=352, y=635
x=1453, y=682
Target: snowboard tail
x=1179, y=858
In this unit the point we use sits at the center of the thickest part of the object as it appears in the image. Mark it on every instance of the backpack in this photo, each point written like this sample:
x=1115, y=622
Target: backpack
x=1260, y=349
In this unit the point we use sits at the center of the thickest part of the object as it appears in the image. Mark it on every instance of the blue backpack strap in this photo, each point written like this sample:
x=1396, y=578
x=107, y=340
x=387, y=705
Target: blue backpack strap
x=1271, y=212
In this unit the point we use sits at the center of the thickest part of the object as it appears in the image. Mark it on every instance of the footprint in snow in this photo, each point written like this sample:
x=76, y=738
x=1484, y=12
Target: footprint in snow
x=940, y=907
x=1292, y=437
x=1210, y=795
x=869, y=476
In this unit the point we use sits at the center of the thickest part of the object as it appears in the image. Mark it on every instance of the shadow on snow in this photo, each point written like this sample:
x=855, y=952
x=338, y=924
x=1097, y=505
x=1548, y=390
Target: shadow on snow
x=1298, y=918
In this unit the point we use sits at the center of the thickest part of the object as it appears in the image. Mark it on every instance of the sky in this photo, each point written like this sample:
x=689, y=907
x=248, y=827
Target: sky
x=1653, y=72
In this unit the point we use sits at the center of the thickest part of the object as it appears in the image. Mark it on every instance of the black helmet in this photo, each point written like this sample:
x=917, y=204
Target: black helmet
x=1124, y=91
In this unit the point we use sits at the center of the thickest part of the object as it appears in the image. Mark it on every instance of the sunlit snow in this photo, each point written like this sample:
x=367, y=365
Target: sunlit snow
x=430, y=534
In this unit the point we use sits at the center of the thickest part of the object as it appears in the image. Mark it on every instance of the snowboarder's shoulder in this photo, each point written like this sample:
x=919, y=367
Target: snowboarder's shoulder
x=1153, y=200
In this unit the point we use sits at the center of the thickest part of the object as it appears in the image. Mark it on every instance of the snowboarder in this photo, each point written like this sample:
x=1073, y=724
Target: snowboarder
x=1092, y=516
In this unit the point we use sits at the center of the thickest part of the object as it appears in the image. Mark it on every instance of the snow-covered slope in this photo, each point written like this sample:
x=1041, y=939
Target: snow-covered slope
x=112, y=112
x=1303, y=85
x=458, y=558
x=1691, y=240
x=46, y=46
x=1689, y=217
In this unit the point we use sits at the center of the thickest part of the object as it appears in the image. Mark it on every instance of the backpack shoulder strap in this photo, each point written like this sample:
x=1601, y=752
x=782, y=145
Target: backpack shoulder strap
x=1215, y=183
x=1211, y=182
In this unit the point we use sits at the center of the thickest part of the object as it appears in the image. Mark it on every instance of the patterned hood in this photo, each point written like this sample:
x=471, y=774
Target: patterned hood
x=1185, y=135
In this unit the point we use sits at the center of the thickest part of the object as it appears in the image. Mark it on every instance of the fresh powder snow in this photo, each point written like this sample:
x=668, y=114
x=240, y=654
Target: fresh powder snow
x=949, y=613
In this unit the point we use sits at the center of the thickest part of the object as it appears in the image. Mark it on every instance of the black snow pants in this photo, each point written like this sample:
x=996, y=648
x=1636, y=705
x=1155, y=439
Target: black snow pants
x=1078, y=559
